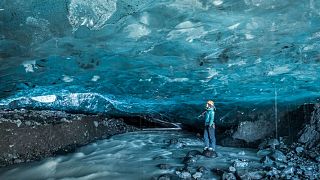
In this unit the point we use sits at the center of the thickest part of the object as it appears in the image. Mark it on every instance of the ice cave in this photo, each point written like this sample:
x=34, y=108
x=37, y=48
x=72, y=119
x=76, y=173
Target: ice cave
x=159, y=89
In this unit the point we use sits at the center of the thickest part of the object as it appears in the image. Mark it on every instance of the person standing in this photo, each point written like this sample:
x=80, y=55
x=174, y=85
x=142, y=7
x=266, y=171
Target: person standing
x=209, y=129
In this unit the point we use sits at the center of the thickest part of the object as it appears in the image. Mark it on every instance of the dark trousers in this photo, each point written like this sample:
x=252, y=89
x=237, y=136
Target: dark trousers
x=209, y=137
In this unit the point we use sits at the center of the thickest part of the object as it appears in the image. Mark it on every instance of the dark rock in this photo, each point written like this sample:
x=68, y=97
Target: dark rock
x=193, y=153
x=209, y=154
x=228, y=176
x=173, y=141
x=190, y=160
x=310, y=134
x=251, y=131
x=42, y=134
x=218, y=171
x=317, y=159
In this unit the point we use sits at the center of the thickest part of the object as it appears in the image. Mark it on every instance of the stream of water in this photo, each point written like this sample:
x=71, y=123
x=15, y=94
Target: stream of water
x=133, y=156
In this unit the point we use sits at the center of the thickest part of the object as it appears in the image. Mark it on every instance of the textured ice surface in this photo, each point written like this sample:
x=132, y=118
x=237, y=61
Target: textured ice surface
x=149, y=55
x=128, y=156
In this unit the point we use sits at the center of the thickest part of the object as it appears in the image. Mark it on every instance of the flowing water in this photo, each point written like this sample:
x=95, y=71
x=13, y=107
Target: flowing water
x=127, y=156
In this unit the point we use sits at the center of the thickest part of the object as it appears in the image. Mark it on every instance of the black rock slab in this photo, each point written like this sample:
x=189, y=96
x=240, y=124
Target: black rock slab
x=28, y=135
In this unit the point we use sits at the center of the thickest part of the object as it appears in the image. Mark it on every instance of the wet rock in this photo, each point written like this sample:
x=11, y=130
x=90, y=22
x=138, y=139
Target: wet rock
x=193, y=153
x=177, y=145
x=190, y=160
x=299, y=149
x=289, y=170
x=232, y=169
x=197, y=175
x=173, y=141
x=277, y=155
x=263, y=152
x=183, y=174
x=273, y=143
x=240, y=163
x=228, y=176
x=317, y=159
x=202, y=169
x=209, y=154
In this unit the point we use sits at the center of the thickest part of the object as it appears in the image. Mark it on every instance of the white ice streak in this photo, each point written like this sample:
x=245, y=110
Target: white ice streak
x=187, y=30
x=279, y=70
x=217, y=2
x=174, y=79
x=45, y=99
x=233, y=27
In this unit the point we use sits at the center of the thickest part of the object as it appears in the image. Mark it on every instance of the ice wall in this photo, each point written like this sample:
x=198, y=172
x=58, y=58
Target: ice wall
x=159, y=56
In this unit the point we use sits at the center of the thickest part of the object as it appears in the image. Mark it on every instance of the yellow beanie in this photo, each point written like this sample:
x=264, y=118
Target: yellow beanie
x=210, y=102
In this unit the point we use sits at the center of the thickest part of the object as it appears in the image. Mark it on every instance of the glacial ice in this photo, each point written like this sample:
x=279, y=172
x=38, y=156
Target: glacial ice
x=163, y=57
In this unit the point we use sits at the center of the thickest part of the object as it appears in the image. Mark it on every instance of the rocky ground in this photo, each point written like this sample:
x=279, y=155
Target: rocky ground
x=279, y=160
x=28, y=135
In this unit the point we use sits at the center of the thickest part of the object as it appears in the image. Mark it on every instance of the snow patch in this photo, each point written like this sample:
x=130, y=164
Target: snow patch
x=45, y=99
x=92, y=14
x=29, y=66
x=249, y=36
x=67, y=78
x=95, y=78
x=136, y=31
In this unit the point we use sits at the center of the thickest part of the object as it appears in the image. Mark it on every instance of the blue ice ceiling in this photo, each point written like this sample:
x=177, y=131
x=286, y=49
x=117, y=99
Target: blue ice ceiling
x=151, y=56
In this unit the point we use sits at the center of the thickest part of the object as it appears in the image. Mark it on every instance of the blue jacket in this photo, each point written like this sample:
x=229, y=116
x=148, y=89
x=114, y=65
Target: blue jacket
x=209, y=117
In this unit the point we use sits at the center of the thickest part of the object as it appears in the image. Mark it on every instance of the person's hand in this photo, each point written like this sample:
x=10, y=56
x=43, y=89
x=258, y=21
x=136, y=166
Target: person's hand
x=213, y=126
